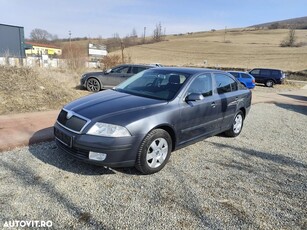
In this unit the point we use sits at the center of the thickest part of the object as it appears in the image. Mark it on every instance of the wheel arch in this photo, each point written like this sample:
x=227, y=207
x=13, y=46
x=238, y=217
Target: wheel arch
x=271, y=79
x=170, y=131
x=243, y=110
x=97, y=78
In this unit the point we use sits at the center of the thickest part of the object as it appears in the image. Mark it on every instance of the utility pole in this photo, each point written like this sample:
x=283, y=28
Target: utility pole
x=122, y=47
x=225, y=34
x=144, y=34
x=69, y=33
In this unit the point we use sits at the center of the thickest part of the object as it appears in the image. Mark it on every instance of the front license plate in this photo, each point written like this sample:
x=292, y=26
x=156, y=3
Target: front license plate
x=63, y=138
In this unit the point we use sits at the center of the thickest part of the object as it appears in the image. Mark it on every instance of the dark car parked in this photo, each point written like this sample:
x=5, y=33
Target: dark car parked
x=142, y=120
x=245, y=78
x=95, y=81
x=269, y=77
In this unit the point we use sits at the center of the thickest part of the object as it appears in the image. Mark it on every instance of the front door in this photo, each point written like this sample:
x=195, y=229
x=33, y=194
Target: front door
x=202, y=117
x=118, y=75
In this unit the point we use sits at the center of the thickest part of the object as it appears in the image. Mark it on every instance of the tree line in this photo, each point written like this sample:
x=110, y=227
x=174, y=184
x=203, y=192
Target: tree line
x=114, y=43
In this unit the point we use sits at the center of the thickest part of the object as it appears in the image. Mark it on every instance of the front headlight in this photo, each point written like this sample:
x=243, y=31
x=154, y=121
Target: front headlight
x=83, y=76
x=108, y=130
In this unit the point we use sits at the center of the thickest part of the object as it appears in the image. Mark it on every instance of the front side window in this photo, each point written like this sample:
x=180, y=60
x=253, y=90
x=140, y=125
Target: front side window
x=121, y=69
x=225, y=84
x=137, y=69
x=202, y=84
x=256, y=72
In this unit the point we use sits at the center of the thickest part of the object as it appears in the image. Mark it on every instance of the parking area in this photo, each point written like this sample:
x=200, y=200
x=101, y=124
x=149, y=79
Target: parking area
x=256, y=180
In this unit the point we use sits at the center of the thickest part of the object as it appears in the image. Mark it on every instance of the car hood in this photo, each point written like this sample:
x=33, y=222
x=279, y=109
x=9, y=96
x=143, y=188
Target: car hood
x=108, y=103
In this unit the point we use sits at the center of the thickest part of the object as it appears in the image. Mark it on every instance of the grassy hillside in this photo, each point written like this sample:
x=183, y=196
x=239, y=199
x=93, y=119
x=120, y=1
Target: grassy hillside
x=26, y=90
x=297, y=23
x=240, y=48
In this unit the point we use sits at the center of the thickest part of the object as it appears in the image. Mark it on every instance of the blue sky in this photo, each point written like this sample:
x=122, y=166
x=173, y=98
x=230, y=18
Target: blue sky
x=93, y=18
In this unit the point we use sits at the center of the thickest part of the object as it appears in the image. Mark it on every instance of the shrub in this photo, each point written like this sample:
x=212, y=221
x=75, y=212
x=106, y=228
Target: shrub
x=290, y=40
x=111, y=60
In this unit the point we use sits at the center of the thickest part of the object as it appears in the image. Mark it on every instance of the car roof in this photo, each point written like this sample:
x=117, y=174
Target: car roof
x=267, y=69
x=134, y=65
x=232, y=71
x=189, y=70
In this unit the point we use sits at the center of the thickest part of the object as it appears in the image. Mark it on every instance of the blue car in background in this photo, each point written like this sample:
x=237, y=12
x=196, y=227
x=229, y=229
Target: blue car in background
x=245, y=78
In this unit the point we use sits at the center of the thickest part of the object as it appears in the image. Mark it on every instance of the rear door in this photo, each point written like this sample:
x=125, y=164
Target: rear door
x=227, y=89
x=265, y=75
x=202, y=117
x=247, y=79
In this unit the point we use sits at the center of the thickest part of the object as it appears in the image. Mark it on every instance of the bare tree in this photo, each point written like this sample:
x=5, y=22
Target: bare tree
x=134, y=34
x=40, y=35
x=157, y=34
x=290, y=40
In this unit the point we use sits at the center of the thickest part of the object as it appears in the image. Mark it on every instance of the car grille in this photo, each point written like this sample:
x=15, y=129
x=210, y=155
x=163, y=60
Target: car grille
x=74, y=123
x=76, y=152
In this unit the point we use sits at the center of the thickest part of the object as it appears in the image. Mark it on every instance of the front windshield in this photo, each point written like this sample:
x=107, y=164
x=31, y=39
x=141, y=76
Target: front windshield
x=154, y=83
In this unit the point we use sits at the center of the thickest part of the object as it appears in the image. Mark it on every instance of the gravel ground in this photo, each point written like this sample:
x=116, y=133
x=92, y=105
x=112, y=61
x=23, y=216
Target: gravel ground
x=255, y=181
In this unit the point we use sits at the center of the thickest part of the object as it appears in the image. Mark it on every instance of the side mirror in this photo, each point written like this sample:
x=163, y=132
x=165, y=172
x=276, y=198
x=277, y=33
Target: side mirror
x=194, y=97
x=108, y=71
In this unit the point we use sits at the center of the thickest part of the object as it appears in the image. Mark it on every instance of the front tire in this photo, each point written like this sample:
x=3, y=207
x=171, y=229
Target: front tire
x=236, y=126
x=154, y=152
x=93, y=85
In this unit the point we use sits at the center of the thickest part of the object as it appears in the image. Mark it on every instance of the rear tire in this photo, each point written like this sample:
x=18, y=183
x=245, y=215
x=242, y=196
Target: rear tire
x=236, y=126
x=269, y=83
x=93, y=85
x=154, y=152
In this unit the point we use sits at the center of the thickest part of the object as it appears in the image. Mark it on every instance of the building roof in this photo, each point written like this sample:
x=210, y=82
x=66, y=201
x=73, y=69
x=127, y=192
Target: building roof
x=10, y=25
x=42, y=45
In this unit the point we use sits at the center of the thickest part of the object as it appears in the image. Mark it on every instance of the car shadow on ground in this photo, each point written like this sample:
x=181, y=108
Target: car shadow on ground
x=296, y=97
x=302, y=109
x=49, y=153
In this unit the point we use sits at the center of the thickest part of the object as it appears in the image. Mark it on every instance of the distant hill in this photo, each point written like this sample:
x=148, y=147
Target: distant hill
x=296, y=23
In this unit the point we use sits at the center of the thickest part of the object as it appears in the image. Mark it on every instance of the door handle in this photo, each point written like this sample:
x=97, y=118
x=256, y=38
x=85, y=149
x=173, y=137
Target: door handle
x=213, y=105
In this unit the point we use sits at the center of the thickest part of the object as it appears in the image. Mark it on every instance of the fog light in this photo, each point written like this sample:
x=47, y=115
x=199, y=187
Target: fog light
x=97, y=156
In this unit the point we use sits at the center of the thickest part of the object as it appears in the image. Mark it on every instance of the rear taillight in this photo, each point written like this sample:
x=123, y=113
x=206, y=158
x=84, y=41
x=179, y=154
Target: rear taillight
x=254, y=80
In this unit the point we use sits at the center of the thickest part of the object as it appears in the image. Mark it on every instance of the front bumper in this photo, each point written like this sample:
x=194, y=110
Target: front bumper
x=83, y=83
x=121, y=152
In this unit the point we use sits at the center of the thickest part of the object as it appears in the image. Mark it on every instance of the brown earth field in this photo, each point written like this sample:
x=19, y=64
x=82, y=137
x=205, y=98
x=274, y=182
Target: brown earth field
x=238, y=48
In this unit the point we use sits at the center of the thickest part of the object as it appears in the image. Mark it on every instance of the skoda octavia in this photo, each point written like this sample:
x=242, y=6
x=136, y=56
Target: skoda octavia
x=142, y=120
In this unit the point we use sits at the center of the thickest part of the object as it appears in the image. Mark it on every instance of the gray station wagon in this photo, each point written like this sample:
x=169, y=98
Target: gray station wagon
x=142, y=120
x=95, y=81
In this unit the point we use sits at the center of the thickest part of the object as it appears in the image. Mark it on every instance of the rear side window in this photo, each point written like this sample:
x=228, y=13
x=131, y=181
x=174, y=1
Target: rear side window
x=236, y=75
x=244, y=75
x=225, y=84
x=265, y=73
x=276, y=73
